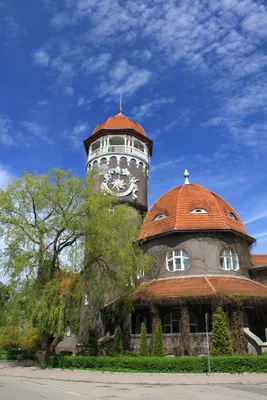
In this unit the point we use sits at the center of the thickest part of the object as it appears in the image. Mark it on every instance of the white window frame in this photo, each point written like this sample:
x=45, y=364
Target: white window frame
x=173, y=255
x=229, y=262
x=199, y=211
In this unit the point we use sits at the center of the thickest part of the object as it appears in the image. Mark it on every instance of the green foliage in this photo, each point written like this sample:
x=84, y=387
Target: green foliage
x=60, y=238
x=221, y=344
x=158, y=348
x=20, y=354
x=219, y=364
x=240, y=344
x=118, y=346
x=143, y=341
x=91, y=347
x=10, y=336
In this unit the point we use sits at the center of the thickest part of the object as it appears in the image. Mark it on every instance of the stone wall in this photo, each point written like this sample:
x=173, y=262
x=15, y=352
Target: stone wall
x=196, y=343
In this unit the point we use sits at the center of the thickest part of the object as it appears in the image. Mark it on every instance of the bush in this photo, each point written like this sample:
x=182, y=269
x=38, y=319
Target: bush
x=20, y=354
x=219, y=364
x=158, y=348
x=91, y=347
x=143, y=341
x=10, y=337
x=118, y=346
x=221, y=344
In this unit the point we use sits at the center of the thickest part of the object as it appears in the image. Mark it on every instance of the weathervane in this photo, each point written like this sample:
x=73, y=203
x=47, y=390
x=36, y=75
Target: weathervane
x=120, y=109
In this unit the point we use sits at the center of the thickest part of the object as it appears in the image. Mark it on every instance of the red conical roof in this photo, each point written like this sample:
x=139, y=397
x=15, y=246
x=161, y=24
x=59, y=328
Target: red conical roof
x=120, y=121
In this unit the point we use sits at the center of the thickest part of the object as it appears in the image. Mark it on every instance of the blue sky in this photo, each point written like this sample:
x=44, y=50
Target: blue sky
x=192, y=72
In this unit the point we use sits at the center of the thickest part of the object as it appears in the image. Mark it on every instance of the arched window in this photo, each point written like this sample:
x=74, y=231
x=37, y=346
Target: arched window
x=229, y=260
x=138, y=322
x=177, y=260
x=172, y=323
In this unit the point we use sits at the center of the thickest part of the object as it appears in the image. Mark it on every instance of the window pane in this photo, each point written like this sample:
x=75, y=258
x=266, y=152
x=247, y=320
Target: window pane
x=186, y=263
x=167, y=319
x=222, y=262
x=193, y=328
x=228, y=262
x=184, y=253
x=167, y=329
x=169, y=256
x=235, y=262
x=177, y=253
x=176, y=316
x=170, y=265
x=178, y=263
x=175, y=327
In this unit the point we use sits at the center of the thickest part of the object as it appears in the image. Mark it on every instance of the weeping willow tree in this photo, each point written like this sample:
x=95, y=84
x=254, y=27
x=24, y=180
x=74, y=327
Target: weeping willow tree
x=60, y=238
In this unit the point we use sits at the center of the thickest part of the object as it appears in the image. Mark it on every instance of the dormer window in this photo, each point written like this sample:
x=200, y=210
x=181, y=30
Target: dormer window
x=199, y=211
x=232, y=216
x=160, y=216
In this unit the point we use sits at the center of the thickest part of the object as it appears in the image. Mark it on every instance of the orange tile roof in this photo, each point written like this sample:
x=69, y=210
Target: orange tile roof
x=120, y=121
x=198, y=286
x=258, y=260
x=177, y=205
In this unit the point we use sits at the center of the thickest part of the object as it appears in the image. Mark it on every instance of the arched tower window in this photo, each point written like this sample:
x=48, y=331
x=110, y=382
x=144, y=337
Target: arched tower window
x=229, y=260
x=177, y=260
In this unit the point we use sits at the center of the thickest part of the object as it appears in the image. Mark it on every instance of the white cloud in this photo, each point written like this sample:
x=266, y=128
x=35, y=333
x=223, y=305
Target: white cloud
x=77, y=135
x=149, y=108
x=97, y=63
x=5, y=177
x=36, y=130
x=125, y=78
x=68, y=90
x=6, y=131
x=61, y=20
x=42, y=103
x=41, y=58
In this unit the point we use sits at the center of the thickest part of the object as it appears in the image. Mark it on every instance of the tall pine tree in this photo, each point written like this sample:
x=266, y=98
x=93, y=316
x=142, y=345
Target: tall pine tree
x=221, y=344
x=158, y=348
x=143, y=341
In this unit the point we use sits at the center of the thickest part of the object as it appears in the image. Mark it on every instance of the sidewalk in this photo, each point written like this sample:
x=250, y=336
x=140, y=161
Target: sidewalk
x=13, y=370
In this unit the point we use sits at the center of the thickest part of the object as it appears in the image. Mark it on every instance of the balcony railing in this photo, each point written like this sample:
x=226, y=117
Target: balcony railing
x=119, y=149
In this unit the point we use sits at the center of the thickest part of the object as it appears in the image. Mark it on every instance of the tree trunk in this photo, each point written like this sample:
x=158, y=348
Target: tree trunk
x=43, y=354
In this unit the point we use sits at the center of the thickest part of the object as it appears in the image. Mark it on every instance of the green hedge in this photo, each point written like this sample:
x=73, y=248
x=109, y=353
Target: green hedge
x=3, y=355
x=20, y=354
x=159, y=364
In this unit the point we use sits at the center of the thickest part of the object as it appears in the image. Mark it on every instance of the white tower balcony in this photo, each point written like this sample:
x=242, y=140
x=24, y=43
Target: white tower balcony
x=119, y=146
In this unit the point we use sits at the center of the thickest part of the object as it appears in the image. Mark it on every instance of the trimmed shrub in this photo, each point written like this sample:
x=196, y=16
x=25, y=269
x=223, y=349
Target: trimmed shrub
x=221, y=344
x=143, y=341
x=118, y=346
x=219, y=364
x=91, y=347
x=20, y=354
x=158, y=348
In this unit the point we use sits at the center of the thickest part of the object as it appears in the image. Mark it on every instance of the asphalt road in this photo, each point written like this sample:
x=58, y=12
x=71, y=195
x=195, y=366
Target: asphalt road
x=14, y=388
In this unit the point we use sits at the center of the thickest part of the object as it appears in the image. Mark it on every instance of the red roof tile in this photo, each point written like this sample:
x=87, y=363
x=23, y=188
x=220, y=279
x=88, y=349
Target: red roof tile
x=258, y=260
x=198, y=286
x=120, y=121
x=177, y=205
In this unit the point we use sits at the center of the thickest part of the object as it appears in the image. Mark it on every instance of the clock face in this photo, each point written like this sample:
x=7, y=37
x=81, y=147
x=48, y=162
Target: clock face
x=119, y=182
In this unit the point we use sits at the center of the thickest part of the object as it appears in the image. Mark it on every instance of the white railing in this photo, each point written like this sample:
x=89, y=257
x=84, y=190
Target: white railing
x=118, y=149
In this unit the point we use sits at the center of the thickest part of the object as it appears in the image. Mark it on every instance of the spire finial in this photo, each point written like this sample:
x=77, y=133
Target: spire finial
x=120, y=109
x=186, y=175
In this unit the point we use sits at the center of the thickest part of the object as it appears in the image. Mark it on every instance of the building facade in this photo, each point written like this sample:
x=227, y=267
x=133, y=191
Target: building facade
x=199, y=244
